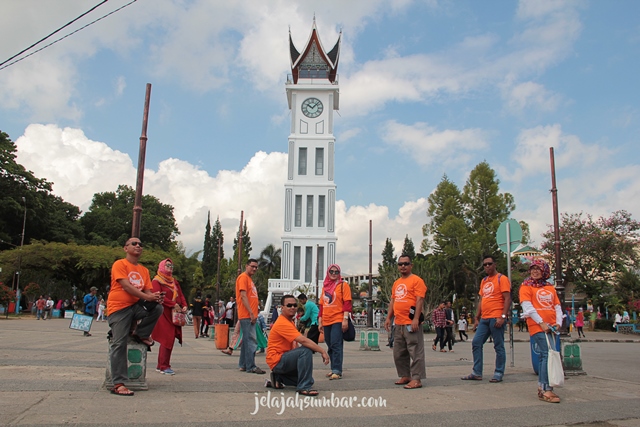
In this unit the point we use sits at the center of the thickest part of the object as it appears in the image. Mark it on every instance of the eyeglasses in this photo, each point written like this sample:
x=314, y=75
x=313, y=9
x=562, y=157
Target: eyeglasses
x=487, y=264
x=135, y=244
x=403, y=264
x=291, y=305
x=334, y=271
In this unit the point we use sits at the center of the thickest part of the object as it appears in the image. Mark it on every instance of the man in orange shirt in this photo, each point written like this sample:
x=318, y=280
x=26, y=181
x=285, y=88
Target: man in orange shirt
x=407, y=296
x=247, y=297
x=130, y=284
x=493, y=308
x=290, y=364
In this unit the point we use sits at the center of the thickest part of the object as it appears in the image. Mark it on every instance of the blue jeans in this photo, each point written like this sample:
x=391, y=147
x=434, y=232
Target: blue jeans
x=485, y=329
x=249, y=345
x=296, y=368
x=333, y=340
x=38, y=314
x=540, y=341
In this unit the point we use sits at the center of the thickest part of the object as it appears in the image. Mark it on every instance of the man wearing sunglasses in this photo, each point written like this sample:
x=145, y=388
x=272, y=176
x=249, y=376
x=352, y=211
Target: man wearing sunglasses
x=493, y=307
x=290, y=354
x=407, y=296
x=130, y=284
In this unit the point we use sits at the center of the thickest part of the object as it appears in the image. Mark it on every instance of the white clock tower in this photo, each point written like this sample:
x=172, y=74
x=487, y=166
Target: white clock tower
x=309, y=239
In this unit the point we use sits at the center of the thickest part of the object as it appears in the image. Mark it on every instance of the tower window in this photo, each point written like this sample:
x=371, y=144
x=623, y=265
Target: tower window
x=296, y=263
x=302, y=161
x=309, y=211
x=319, y=161
x=321, y=211
x=308, y=263
x=298, y=213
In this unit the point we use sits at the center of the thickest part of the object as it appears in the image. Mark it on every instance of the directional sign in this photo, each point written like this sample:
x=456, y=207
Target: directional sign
x=515, y=235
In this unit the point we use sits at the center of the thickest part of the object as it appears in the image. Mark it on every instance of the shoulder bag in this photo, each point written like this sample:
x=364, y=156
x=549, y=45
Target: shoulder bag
x=554, y=364
x=350, y=334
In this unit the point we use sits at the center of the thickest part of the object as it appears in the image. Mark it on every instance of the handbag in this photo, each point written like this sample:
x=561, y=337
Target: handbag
x=178, y=318
x=350, y=334
x=554, y=365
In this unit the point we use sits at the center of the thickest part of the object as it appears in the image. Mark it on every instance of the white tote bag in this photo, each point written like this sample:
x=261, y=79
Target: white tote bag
x=554, y=364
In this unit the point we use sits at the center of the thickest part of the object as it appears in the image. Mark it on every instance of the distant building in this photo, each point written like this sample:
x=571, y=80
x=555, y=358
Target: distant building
x=528, y=253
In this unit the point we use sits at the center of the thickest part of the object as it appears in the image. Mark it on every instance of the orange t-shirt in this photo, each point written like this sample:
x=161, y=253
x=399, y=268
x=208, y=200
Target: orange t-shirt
x=491, y=293
x=405, y=293
x=544, y=300
x=281, y=339
x=244, y=283
x=332, y=306
x=138, y=276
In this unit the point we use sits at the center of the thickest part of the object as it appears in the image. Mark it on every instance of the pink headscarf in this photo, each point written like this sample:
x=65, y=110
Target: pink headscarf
x=163, y=270
x=329, y=286
x=546, y=273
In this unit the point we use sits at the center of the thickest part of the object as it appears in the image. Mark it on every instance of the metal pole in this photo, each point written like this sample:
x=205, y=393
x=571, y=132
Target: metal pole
x=240, y=245
x=317, y=273
x=509, y=275
x=556, y=233
x=24, y=224
x=218, y=275
x=370, y=296
x=137, y=208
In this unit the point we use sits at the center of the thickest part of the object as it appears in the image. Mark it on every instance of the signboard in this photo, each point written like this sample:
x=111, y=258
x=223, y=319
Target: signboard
x=513, y=229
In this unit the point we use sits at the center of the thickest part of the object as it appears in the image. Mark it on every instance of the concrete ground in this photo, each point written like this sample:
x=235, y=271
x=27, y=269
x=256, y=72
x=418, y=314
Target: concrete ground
x=52, y=375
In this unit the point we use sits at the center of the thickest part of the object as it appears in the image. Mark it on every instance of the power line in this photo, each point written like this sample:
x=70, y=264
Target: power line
x=2, y=66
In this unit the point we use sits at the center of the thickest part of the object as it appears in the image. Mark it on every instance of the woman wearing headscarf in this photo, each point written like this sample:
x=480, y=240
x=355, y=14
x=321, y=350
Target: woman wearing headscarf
x=333, y=317
x=165, y=331
x=541, y=307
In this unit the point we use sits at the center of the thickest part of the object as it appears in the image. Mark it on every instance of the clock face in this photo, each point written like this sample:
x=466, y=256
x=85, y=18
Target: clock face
x=312, y=107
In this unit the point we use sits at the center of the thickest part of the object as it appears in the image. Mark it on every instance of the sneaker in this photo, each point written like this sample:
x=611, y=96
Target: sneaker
x=257, y=370
x=168, y=372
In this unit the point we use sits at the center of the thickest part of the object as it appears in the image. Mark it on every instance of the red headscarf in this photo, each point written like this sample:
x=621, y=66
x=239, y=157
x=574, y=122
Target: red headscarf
x=546, y=273
x=329, y=286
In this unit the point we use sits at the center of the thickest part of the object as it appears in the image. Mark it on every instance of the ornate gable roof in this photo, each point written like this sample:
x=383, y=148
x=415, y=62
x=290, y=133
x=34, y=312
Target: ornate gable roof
x=314, y=61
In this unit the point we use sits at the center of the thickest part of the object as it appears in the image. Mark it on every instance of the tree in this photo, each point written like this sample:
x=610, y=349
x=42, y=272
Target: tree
x=48, y=216
x=217, y=241
x=596, y=252
x=269, y=261
x=485, y=206
x=209, y=264
x=246, y=247
x=387, y=272
x=408, y=248
x=108, y=221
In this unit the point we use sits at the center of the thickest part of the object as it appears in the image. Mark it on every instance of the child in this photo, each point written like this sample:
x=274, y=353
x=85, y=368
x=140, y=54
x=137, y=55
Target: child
x=462, y=328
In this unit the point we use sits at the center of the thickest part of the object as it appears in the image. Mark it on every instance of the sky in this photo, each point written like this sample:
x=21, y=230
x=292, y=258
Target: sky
x=427, y=88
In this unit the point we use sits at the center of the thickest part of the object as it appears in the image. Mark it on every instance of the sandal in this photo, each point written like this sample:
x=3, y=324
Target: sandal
x=307, y=392
x=227, y=351
x=413, y=384
x=433, y=347
x=548, y=396
x=471, y=377
x=335, y=377
x=121, y=390
x=403, y=381
x=495, y=380
x=443, y=351
x=275, y=383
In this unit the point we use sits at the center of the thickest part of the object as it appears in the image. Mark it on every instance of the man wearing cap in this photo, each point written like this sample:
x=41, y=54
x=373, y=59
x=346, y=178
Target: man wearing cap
x=90, y=303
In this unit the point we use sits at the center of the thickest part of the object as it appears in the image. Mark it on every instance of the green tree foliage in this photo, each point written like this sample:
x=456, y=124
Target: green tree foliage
x=387, y=272
x=48, y=217
x=596, y=252
x=217, y=241
x=485, y=207
x=462, y=228
x=408, y=248
x=246, y=247
x=108, y=221
x=209, y=264
x=268, y=268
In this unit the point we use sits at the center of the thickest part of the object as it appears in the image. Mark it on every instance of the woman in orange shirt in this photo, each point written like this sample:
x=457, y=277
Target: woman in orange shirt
x=541, y=308
x=333, y=316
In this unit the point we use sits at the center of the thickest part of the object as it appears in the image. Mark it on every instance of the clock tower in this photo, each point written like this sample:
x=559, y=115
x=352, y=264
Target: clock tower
x=309, y=238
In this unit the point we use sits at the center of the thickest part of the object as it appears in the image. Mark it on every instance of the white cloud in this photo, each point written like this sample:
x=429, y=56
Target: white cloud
x=80, y=167
x=121, y=84
x=526, y=95
x=430, y=146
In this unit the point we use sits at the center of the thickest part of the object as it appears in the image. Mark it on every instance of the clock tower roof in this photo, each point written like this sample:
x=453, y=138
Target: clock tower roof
x=314, y=62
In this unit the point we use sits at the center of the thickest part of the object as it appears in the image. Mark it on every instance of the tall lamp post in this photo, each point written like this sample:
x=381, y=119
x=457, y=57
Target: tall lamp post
x=24, y=223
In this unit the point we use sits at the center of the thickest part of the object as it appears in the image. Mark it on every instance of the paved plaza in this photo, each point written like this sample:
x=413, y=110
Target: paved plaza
x=52, y=375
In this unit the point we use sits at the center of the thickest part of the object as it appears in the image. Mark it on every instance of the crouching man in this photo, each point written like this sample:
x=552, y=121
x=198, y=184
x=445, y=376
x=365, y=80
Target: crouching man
x=290, y=354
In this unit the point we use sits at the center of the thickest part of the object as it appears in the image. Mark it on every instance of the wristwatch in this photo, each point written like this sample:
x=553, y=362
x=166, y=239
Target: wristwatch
x=504, y=316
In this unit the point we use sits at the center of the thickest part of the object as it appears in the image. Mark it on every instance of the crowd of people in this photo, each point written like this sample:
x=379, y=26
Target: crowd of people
x=152, y=311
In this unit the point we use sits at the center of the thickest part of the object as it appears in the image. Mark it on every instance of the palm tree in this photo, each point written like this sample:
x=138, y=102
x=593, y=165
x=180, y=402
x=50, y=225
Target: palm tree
x=269, y=261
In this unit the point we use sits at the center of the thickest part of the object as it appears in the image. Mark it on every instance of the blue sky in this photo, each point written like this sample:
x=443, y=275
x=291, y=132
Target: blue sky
x=427, y=88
